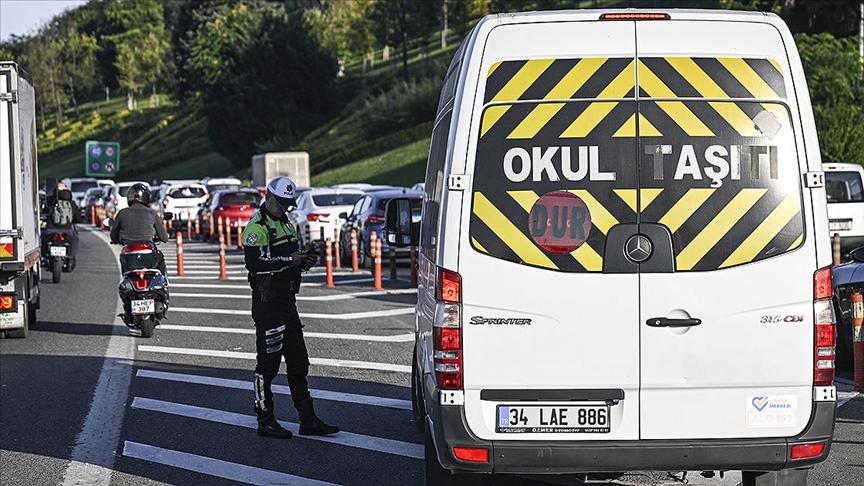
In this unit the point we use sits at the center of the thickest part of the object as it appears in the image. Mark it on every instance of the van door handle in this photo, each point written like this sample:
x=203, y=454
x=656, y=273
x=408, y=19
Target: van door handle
x=667, y=322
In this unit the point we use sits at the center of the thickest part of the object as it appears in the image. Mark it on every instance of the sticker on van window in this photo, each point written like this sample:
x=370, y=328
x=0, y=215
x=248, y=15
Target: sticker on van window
x=560, y=222
x=772, y=411
x=707, y=152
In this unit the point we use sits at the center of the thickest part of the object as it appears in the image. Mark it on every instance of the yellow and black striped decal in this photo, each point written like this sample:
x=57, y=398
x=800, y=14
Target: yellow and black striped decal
x=706, y=149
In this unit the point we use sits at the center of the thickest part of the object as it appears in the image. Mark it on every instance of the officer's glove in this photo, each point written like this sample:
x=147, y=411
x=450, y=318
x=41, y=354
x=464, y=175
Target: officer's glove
x=309, y=260
x=298, y=258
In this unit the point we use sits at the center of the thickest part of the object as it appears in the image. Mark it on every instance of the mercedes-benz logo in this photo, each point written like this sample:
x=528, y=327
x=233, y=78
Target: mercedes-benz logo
x=638, y=248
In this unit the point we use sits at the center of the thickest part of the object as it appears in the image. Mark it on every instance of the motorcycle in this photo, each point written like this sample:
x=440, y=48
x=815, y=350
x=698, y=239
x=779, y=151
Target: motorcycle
x=143, y=288
x=58, y=258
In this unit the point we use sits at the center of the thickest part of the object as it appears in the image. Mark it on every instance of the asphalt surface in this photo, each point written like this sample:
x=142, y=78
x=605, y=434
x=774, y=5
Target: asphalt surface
x=84, y=402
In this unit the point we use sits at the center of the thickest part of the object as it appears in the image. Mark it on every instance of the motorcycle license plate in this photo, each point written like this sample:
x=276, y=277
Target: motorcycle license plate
x=140, y=307
x=553, y=419
x=57, y=251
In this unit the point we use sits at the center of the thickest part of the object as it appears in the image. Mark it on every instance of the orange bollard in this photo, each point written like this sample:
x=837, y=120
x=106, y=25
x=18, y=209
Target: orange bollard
x=223, y=271
x=835, y=247
x=336, y=248
x=228, y=232
x=858, y=339
x=329, y=259
x=221, y=227
x=355, y=266
x=170, y=224
x=413, y=266
x=377, y=264
x=189, y=225
x=210, y=226
x=93, y=215
x=180, y=254
x=197, y=226
x=239, y=236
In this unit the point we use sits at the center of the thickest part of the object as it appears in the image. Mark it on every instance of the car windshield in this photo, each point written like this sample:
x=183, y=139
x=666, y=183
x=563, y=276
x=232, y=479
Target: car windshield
x=239, y=198
x=843, y=187
x=221, y=187
x=82, y=186
x=335, y=199
x=186, y=192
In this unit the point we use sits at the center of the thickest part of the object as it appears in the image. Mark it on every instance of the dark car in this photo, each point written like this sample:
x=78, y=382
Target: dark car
x=366, y=216
x=847, y=278
x=232, y=205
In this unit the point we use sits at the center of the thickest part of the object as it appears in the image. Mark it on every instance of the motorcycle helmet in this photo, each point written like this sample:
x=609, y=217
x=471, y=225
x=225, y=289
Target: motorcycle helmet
x=282, y=189
x=138, y=192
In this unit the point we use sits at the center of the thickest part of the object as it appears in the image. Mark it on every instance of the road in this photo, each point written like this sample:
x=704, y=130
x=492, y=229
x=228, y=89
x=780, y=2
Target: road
x=84, y=402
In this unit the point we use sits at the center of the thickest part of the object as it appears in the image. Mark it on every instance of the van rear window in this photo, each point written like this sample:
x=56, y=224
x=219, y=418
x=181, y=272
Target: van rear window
x=843, y=187
x=719, y=174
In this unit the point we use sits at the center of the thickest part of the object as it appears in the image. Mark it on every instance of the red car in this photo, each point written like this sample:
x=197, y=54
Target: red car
x=232, y=205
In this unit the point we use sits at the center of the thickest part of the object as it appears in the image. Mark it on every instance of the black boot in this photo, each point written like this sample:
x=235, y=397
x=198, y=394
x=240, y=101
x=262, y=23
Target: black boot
x=310, y=424
x=270, y=428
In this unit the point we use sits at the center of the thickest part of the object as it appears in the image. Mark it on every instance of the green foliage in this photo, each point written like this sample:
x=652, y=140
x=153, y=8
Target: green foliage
x=834, y=80
x=400, y=167
x=344, y=28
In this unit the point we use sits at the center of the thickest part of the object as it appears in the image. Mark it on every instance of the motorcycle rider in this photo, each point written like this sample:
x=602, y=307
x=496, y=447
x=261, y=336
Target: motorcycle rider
x=61, y=217
x=138, y=223
x=275, y=262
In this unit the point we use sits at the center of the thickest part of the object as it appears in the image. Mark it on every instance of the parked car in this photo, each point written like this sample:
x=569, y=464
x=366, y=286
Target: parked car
x=182, y=200
x=319, y=209
x=231, y=205
x=366, y=216
x=844, y=186
x=116, y=198
x=846, y=279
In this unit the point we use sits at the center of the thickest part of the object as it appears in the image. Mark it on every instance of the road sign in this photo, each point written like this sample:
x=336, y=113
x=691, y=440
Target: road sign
x=102, y=159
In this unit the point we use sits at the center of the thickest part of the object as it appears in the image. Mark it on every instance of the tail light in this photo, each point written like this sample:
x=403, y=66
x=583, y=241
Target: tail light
x=140, y=282
x=375, y=219
x=321, y=217
x=804, y=451
x=447, y=330
x=7, y=302
x=635, y=16
x=221, y=208
x=824, y=341
x=471, y=454
x=58, y=237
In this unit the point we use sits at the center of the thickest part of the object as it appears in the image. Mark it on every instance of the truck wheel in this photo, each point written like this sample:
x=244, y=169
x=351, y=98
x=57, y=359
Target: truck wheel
x=437, y=475
x=21, y=332
x=31, y=313
x=56, y=269
x=784, y=477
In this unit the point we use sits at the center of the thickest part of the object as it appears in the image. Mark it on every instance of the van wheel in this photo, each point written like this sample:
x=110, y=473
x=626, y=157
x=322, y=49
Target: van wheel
x=436, y=475
x=417, y=403
x=784, y=477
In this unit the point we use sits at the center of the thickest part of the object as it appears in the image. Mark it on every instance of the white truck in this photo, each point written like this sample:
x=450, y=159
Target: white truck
x=294, y=165
x=19, y=203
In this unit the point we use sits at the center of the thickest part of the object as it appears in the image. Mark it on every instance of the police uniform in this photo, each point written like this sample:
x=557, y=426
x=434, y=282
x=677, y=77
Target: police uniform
x=268, y=243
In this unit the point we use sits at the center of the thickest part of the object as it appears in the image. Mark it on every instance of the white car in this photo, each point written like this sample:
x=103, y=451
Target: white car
x=844, y=184
x=214, y=184
x=78, y=186
x=319, y=209
x=182, y=200
x=115, y=200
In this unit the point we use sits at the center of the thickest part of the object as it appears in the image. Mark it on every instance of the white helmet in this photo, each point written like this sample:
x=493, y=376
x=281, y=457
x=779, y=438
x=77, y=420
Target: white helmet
x=282, y=188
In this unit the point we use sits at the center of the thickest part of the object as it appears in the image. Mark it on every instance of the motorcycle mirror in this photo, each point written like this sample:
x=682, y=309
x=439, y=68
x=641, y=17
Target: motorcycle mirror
x=857, y=254
x=168, y=216
x=107, y=222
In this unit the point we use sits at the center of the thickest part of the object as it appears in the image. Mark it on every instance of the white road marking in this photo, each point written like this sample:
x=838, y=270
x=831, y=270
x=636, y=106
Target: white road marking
x=214, y=467
x=207, y=286
x=338, y=317
x=398, y=338
x=351, y=295
x=93, y=453
x=359, y=441
x=278, y=389
x=339, y=363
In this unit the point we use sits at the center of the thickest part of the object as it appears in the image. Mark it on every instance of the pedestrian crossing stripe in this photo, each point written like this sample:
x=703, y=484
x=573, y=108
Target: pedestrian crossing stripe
x=6, y=250
x=551, y=83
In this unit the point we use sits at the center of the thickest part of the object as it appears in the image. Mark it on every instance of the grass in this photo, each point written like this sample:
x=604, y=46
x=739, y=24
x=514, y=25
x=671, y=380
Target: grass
x=404, y=166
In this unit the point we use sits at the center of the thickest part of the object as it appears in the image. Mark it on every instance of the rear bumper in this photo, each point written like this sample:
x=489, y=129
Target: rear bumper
x=555, y=457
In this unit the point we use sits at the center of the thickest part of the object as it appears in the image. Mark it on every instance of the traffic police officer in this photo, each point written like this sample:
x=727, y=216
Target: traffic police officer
x=274, y=261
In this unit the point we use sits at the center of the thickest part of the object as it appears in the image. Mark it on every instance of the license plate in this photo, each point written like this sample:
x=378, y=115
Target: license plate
x=553, y=419
x=841, y=225
x=143, y=307
x=57, y=251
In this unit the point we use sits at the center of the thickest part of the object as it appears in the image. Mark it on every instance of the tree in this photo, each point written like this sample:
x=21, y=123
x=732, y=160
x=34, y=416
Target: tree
x=400, y=21
x=344, y=29
x=78, y=52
